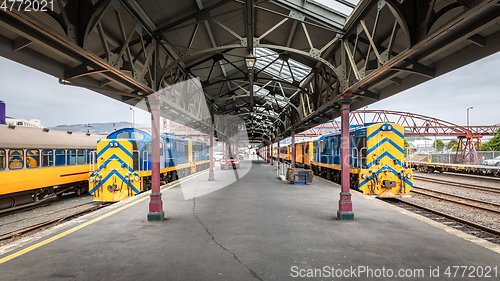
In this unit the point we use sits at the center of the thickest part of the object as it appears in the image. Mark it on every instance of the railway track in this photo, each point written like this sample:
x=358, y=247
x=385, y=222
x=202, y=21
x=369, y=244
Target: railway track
x=92, y=206
x=476, y=177
x=463, y=185
x=418, y=190
x=451, y=217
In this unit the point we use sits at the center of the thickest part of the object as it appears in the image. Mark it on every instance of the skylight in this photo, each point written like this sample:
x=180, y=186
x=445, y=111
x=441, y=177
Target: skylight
x=280, y=100
x=280, y=69
x=343, y=6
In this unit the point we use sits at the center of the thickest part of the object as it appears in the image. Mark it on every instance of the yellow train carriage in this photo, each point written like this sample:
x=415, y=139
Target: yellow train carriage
x=36, y=163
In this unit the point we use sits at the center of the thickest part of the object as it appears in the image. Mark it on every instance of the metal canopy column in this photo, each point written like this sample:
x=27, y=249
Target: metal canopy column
x=345, y=203
x=292, y=149
x=155, y=205
x=278, y=151
x=272, y=154
x=211, y=171
x=268, y=155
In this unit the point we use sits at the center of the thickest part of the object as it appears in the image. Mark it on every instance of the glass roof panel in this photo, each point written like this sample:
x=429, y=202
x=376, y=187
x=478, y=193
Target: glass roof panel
x=280, y=69
x=343, y=6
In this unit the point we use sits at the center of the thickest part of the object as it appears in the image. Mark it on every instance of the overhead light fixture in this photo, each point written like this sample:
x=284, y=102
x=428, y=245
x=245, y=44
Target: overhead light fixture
x=250, y=61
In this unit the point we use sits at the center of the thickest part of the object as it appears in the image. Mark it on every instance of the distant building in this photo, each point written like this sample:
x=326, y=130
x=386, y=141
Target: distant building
x=33, y=123
x=2, y=112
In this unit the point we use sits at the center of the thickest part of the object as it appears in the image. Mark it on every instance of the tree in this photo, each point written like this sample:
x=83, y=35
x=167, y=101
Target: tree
x=451, y=144
x=492, y=144
x=438, y=145
x=407, y=144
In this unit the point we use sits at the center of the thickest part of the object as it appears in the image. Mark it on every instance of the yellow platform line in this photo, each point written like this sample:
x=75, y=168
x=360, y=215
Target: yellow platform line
x=54, y=238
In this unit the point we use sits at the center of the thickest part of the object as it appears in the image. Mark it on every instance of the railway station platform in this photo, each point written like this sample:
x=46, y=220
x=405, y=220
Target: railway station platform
x=254, y=228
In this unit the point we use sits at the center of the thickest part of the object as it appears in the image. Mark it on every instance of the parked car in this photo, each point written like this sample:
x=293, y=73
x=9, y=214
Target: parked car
x=230, y=162
x=492, y=162
x=241, y=155
x=218, y=156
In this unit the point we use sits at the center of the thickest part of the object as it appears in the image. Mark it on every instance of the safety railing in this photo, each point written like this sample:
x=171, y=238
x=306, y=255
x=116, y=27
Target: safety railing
x=281, y=169
x=361, y=157
x=354, y=156
x=145, y=162
x=92, y=163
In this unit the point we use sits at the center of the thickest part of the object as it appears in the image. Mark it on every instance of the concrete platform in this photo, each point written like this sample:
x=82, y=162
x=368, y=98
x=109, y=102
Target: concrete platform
x=255, y=228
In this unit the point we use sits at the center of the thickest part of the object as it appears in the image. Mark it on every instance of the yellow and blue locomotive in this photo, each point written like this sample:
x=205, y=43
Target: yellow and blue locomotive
x=376, y=158
x=124, y=163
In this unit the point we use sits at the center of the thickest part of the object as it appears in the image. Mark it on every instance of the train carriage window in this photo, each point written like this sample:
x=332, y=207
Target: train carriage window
x=123, y=135
x=60, y=157
x=148, y=148
x=32, y=158
x=136, y=135
x=81, y=156
x=71, y=157
x=2, y=159
x=16, y=159
x=161, y=148
x=47, y=158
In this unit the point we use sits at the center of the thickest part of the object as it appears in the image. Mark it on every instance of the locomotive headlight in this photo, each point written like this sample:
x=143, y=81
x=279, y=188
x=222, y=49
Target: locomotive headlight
x=389, y=127
x=383, y=128
x=136, y=178
x=386, y=172
x=408, y=176
x=91, y=180
x=364, y=176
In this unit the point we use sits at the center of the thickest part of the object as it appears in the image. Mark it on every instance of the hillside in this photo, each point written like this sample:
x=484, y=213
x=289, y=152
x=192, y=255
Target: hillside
x=95, y=128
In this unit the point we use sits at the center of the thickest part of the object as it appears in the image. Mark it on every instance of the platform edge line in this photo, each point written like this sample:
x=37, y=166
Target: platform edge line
x=60, y=235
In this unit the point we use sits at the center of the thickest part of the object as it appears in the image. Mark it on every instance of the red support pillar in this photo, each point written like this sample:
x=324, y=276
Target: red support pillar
x=345, y=203
x=278, y=153
x=293, y=149
x=268, y=154
x=272, y=154
x=156, y=212
x=211, y=176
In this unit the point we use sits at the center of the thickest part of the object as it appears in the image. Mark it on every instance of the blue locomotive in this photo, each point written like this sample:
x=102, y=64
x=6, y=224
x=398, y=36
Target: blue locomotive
x=124, y=163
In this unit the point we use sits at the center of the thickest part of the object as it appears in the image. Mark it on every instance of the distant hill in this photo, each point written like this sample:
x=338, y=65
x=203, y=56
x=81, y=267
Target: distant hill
x=95, y=128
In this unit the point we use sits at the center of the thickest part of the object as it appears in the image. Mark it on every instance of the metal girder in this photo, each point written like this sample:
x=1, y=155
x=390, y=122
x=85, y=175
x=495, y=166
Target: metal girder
x=330, y=17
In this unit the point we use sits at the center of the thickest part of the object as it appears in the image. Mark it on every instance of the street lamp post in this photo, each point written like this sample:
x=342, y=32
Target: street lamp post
x=468, y=115
x=133, y=117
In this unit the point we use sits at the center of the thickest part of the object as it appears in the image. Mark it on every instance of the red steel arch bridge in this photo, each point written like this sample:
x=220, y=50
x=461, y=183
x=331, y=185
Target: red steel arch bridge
x=282, y=66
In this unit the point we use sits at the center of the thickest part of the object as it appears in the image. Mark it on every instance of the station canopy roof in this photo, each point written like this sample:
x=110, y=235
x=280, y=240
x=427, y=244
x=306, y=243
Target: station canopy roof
x=307, y=53
x=212, y=40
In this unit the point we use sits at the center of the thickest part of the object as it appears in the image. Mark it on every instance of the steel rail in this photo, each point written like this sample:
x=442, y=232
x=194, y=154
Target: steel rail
x=463, y=185
x=472, y=176
x=465, y=222
x=34, y=227
x=55, y=211
x=457, y=202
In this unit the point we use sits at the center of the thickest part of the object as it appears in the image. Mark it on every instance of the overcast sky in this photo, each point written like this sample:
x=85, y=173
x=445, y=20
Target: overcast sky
x=32, y=94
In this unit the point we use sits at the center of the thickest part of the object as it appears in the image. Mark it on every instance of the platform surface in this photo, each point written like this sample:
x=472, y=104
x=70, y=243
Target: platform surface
x=255, y=228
